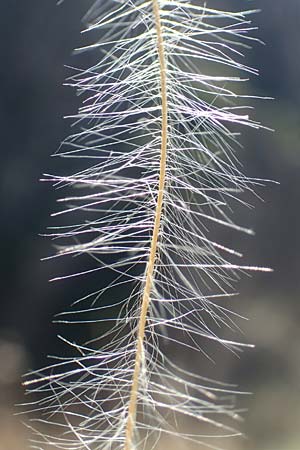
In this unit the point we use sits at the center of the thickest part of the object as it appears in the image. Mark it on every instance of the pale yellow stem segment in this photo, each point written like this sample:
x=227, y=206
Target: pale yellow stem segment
x=153, y=249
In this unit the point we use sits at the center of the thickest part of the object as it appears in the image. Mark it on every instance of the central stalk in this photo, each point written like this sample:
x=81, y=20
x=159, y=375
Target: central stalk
x=132, y=408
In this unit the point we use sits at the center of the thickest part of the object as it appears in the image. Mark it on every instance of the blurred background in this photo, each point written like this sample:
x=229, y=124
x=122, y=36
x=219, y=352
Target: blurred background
x=36, y=46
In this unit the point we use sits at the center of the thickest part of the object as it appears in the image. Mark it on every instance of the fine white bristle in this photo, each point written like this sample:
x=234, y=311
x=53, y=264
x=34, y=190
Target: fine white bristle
x=158, y=130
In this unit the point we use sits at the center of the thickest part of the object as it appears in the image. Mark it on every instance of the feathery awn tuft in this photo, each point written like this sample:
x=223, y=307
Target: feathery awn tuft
x=156, y=145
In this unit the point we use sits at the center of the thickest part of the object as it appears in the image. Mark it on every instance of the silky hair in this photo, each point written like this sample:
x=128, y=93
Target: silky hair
x=157, y=137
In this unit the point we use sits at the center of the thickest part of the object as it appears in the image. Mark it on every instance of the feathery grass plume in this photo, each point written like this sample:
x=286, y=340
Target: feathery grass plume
x=158, y=131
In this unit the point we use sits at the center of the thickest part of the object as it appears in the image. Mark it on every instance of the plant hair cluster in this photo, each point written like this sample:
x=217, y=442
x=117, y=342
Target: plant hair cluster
x=155, y=143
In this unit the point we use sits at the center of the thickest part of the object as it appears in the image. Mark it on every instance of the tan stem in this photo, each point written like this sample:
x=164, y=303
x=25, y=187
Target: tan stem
x=153, y=249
